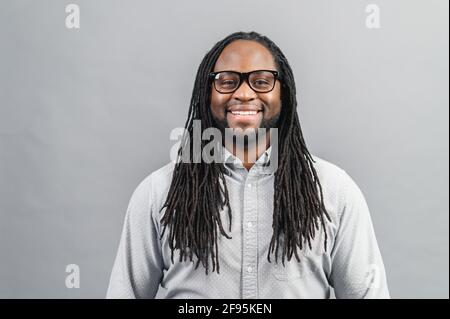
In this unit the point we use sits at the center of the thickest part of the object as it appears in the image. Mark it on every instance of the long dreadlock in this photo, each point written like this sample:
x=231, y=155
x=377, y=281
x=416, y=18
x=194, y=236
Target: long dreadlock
x=198, y=192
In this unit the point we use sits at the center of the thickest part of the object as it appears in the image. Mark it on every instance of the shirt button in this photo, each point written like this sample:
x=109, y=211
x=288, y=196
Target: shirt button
x=249, y=185
x=249, y=269
x=249, y=225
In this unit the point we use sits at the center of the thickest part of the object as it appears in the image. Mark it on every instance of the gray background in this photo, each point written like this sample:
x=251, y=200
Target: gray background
x=86, y=114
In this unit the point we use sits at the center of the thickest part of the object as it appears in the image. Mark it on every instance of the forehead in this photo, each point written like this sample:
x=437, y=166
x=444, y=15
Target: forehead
x=245, y=56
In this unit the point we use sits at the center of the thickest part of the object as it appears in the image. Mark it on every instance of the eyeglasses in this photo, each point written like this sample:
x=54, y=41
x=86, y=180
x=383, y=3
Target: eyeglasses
x=261, y=81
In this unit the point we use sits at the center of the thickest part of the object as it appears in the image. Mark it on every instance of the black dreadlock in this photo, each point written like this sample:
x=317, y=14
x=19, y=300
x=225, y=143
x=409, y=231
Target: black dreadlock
x=198, y=191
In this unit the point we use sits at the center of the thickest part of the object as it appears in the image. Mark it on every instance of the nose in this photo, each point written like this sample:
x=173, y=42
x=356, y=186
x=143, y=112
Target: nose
x=244, y=93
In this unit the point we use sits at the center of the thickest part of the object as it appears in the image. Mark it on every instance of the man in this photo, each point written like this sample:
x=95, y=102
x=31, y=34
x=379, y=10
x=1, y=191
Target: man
x=244, y=228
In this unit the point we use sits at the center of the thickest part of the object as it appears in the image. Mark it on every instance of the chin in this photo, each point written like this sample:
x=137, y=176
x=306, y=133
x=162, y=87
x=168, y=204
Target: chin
x=239, y=129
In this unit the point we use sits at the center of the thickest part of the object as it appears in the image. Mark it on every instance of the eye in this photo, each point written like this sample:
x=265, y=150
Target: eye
x=261, y=82
x=227, y=85
x=228, y=82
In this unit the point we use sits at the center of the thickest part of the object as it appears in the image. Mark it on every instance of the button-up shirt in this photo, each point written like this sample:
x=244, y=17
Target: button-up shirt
x=352, y=264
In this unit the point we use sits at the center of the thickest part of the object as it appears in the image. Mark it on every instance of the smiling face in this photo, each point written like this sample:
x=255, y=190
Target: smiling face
x=244, y=108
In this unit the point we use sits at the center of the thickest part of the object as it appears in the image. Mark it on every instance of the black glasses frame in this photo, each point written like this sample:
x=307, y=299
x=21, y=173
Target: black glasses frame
x=243, y=76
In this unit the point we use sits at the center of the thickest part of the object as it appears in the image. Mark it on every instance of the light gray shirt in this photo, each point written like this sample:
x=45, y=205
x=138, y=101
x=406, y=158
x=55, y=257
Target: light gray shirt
x=352, y=264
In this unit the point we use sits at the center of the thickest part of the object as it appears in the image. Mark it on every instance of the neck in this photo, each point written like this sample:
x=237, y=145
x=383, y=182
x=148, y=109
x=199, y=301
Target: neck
x=250, y=153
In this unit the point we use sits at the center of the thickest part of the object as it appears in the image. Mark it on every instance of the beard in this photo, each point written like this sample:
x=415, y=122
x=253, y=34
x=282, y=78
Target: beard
x=250, y=136
x=222, y=123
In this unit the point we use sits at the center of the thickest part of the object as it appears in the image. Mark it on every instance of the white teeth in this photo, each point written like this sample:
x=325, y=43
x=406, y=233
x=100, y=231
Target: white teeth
x=244, y=112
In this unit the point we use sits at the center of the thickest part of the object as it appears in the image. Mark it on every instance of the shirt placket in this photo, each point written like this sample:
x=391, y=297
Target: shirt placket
x=250, y=246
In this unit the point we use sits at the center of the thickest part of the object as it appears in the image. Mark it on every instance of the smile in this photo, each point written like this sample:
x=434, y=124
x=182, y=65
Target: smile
x=243, y=113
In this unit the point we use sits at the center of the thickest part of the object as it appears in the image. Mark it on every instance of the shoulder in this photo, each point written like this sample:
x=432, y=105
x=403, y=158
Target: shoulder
x=153, y=188
x=339, y=188
x=162, y=177
x=330, y=175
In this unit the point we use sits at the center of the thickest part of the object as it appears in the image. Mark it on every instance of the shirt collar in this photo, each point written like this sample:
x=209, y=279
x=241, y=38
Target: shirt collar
x=262, y=164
